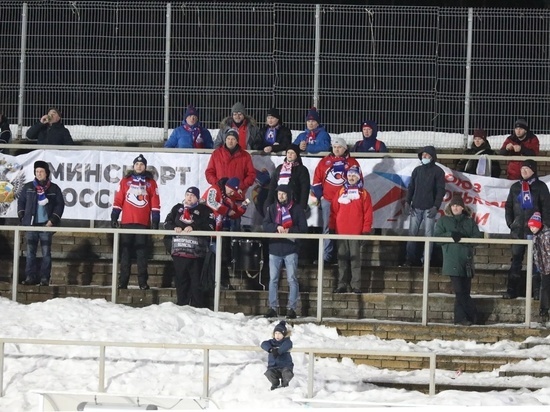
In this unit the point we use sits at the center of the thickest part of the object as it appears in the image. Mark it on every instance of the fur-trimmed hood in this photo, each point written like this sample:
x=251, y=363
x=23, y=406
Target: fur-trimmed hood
x=467, y=211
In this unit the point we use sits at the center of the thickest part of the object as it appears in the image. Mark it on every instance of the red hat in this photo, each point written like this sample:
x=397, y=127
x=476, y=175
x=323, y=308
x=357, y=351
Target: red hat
x=536, y=220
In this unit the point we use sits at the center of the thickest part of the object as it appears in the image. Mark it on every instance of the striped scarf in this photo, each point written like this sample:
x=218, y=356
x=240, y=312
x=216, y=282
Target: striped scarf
x=283, y=215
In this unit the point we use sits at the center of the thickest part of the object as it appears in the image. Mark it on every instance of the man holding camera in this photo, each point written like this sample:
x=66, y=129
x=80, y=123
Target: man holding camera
x=50, y=130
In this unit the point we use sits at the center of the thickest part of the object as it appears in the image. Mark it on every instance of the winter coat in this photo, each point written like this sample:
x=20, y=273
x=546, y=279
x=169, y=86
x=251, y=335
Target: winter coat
x=283, y=138
x=215, y=199
x=456, y=255
x=353, y=218
x=321, y=142
x=279, y=245
x=299, y=184
x=470, y=165
x=27, y=204
x=427, y=185
x=201, y=218
x=54, y=134
x=137, y=202
x=182, y=138
x=529, y=147
x=541, y=250
x=5, y=132
x=517, y=217
x=249, y=128
x=284, y=360
x=224, y=163
x=327, y=182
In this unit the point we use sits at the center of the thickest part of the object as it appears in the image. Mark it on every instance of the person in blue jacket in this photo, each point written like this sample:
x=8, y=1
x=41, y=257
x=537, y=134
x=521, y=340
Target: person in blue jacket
x=370, y=142
x=190, y=134
x=314, y=138
x=279, y=361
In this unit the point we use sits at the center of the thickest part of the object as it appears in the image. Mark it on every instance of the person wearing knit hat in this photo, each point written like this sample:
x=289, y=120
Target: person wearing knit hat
x=329, y=177
x=245, y=125
x=50, y=130
x=541, y=260
x=137, y=199
x=370, y=142
x=314, y=138
x=351, y=214
x=40, y=203
x=274, y=136
x=283, y=218
x=457, y=223
x=188, y=252
x=280, y=366
x=291, y=172
x=190, y=134
x=485, y=166
x=522, y=142
x=525, y=197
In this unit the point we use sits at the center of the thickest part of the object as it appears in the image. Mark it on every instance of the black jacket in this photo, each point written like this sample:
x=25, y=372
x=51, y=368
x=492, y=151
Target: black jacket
x=284, y=138
x=470, y=165
x=517, y=217
x=427, y=186
x=299, y=184
x=279, y=245
x=55, y=134
x=27, y=204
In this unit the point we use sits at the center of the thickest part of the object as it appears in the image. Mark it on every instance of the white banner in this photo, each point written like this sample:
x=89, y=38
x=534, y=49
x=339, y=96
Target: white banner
x=89, y=179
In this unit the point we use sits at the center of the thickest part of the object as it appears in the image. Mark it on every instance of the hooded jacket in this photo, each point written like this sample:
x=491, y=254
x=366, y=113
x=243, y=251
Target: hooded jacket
x=284, y=360
x=249, y=128
x=427, y=185
x=371, y=143
x=456, y=255
x=182, y=136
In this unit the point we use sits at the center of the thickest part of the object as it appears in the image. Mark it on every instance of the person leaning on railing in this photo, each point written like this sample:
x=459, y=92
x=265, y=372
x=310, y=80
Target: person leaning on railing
x=190, y=134
x=484, y=166
x=522, y=142
x=50, y=129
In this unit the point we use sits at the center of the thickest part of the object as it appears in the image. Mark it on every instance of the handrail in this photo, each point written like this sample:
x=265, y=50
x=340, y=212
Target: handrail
x=206, y=357
x=262, y=235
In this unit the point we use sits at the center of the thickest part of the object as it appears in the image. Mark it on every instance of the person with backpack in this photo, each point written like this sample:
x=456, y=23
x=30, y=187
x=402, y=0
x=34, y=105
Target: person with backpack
x=370, y=143
x=188, y=252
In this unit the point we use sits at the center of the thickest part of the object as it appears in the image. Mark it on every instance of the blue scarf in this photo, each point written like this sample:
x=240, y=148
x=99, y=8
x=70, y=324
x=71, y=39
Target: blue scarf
x=525, y=198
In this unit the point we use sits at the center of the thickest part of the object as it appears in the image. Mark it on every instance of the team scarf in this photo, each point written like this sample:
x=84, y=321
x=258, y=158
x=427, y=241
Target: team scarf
x=283, y=215
x=198, y=141
x=41, y=190
x=350, y=192
x=286, y=172
x=525, y=198
x=312, y=136
x=271, y=134
x=186, y=217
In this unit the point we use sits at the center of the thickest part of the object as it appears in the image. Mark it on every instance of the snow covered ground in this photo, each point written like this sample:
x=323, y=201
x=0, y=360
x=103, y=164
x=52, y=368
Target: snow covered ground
x=236, y=378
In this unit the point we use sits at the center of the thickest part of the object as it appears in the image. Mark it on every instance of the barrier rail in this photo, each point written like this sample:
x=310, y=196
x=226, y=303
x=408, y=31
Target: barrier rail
x=320, y=265
x=206, y=348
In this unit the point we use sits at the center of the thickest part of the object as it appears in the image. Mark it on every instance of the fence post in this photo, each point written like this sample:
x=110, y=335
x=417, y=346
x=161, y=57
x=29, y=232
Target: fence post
x=114, y=272
x=320, y=270
x=425, y=282
x=16, y=252
x=101, y=383
x=167, y=69
x=317, y=55
x=468, y=78
x=22, y=68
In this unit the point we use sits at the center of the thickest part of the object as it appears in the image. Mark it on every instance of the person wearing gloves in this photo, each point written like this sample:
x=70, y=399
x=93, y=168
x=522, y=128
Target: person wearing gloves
x=522, y=142
x=280, y=368
x=424, y=197
x=190, y=134
x=314, y=138
x=137, y=198
x=458, y=257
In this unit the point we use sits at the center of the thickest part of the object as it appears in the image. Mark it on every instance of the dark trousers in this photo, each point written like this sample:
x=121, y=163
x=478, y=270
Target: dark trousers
x=279, y=376
x=349, y=263
x=544, y=292
x=515, y=277
x=465, y=309
x=45, y=239
x=187, y=278
x=128, y=244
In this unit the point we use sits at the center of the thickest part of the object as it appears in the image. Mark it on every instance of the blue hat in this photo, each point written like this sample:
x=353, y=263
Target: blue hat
x=194, y=190
x=312, y=114
x=233, y=183
x=191, y=111
x=354, y=170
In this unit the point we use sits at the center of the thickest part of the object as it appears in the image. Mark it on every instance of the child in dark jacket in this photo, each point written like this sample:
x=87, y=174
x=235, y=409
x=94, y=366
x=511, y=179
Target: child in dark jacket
x=541, y=257
x=279, y=361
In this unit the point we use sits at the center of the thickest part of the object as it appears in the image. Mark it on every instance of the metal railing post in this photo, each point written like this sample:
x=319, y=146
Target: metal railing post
x=1, y=369
x=529, y=283
x=320, y=270
x=16, y=252
x=425, y=283
x=218, y=272
x=101, y=382
x=206, y=373
x=310, y=374
x=431, y=390
x=167, y=69
x=22, y=70
x=114, y=272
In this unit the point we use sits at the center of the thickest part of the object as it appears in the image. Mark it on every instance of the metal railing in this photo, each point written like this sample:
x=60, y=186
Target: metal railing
x=207, y=348
x=320, y=265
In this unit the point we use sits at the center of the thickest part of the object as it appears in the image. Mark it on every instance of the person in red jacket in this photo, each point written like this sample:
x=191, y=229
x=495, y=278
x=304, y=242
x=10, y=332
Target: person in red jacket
x=351, y=215
x=328, y=179
x=522, y=142
x=138, y=199
x=231, y=160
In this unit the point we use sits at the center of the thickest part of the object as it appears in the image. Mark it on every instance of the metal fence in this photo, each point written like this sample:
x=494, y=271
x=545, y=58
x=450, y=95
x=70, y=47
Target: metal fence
x=409, y=68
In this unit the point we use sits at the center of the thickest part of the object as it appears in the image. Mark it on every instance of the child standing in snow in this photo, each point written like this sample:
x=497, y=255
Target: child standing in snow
x=279, y=361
